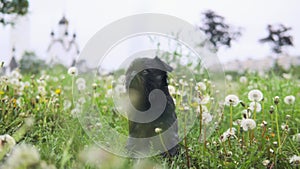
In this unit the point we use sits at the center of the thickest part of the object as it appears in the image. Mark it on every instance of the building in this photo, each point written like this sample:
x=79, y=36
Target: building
x=63, y=48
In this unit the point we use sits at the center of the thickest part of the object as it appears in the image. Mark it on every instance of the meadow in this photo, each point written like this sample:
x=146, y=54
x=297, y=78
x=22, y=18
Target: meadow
x=43, y=122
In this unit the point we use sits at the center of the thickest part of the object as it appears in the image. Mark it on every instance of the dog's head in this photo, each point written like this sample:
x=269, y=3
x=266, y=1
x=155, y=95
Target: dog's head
x=143, y=76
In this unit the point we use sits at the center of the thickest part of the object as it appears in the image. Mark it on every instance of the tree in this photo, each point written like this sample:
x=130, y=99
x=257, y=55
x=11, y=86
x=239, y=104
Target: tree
x=30, y=64
x=278, y=37
x=218, y=32
x=10, y=9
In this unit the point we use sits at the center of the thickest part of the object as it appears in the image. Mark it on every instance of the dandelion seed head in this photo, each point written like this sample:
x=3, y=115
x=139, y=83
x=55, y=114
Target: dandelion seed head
x=296, y=137
x=295, y=160
x=287, y=76
x=23, y=156
x=206, y=117
x=243, y=79
x=158, y=130
x=255, y=106
x=81, y=86
x=200, y=86
x=266, y=162
x=14, y=81
x=228, y=77
x=67, y=104
x=289, y=100
x=80, y=80
x=284, y=127
x=73, y=71
x=204, y=109
x=7, y=140
x=94, y=85
x=172, y=89
x=255, y=95
x=231, y=100
x=248, y=124
x=203, y=100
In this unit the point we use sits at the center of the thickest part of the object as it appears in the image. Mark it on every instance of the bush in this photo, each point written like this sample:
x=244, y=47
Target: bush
x=30, y=64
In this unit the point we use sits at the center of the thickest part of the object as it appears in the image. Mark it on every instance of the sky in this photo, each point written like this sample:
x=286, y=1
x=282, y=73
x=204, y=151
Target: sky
x=89, y=16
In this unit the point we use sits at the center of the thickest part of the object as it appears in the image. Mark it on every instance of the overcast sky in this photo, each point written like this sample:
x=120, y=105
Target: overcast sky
x=88, y=16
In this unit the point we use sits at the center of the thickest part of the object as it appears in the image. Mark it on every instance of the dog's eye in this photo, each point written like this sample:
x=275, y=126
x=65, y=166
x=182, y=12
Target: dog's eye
x=145, y=72
x=158, y=77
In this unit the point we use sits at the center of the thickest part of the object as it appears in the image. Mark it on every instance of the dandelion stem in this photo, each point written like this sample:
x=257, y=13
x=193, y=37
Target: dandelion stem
x=72, y=92
x=254, y=111
x=277, y=126
x=230, y=118
x=164, y=146
x=200, y=121
x=262, y=110
x=186, y=144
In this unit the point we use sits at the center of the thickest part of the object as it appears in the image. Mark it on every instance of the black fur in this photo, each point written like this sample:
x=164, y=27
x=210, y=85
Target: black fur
x=143, y=76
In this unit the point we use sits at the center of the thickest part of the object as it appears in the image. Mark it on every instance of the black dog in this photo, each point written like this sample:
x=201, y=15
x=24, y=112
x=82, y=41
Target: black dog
x=143, y=76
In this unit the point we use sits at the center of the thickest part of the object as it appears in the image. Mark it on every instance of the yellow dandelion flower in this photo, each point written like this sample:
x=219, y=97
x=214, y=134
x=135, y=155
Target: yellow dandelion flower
x=1, y=92
x=58, y=91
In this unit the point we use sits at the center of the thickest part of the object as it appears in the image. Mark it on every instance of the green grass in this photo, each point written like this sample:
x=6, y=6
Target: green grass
x=63, y=141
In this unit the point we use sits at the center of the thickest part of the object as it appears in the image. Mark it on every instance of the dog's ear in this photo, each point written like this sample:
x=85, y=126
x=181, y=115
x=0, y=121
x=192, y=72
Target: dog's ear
x=165, y=66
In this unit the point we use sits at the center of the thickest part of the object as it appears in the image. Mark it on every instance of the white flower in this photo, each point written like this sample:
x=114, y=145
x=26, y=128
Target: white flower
x=73, y=71
x=200, y=86
x=287, y=76
x=295, y=160
x=75, y=112
x=55, y=79
x=80, y=80
x=23, y=156
x=109, y=93
x=121, y=79
x=204, y=109
x=172, y=89
x=120, y=89
x=248, y=124
x=285, y=127
x=81, y=86
x=206, y=117
x=203, y=100
x=289, y=99
x=266, y=162
x=256, y=106
x=81, y=100
x=243, y=79
x=4, y=79
x=246, y=113
x=296, y=137
x=158, y=130
x=7, y=140
x=94, y=85
x=15, y=74
x=255, y=95
x=228, y=77
x=42, y=90
x=231, y=100
x=14, y=81
x=67, y=104
x=227, y=134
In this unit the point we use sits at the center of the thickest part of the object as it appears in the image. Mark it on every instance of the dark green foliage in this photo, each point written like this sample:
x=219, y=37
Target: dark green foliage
x=31, y=64
x=12, y=8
